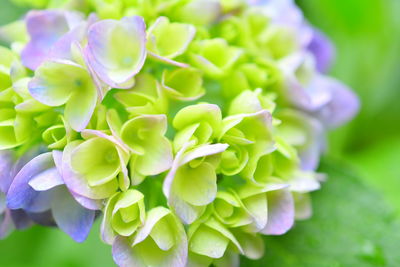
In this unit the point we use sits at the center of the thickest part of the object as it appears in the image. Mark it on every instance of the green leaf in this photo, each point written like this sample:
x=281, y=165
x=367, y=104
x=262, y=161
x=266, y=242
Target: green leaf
x=351, y=226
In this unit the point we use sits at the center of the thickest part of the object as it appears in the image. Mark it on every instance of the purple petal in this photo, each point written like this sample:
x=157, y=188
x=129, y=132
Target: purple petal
x=71, y=217
x=40, y=203
x=122, y=252
x=343, y=106
x=87, y=203
x=77, y=35
x=44, y=28
x=322, y=49
x=46, y=180
x=20, y=219
x=20, y=194
x=42, y=218
x=280, y=212
x=6, y=170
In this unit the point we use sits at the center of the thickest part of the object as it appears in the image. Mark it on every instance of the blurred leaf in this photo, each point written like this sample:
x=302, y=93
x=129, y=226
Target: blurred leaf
x=40, y=246
x=366, y=34
x=9, y=12
x=351, y=226
x=380, y=167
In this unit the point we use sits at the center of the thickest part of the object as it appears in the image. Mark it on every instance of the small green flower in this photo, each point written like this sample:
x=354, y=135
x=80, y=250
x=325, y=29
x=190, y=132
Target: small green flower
x=160, y=242
x=191, y=184
x=248, y=136
x=199, y=123
x=96, y=167
x=183, y=84
x=57, y=136
x=229, y=209
x=214, y=56
x=159, y=42
x=58, y=83
x=152, y=151
x=210, y=240
x=144, y=98
x=123, y=215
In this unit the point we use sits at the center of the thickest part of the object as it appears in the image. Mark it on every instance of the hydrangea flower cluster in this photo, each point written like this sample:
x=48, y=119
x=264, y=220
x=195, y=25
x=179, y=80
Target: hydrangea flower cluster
x=192, y=127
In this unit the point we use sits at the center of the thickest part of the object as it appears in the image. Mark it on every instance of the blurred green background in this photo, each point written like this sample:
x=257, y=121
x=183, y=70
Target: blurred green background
x=356, y=218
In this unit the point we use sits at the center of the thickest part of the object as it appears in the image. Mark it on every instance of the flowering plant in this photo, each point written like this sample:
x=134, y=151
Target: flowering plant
x=192, y=127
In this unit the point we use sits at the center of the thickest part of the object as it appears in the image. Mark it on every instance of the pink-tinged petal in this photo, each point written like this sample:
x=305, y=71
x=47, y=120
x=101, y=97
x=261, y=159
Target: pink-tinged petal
x=90, y=204
x=6, y=170
x=57, y=157
x=71, y=217
x=122, y=253
x=62, y=49
x=168, y=61
x=116, y=50
x=45, y=28
x=280, y=212
x=21, y=194
x=304, y=182
x=343, y=106
x=46, y=180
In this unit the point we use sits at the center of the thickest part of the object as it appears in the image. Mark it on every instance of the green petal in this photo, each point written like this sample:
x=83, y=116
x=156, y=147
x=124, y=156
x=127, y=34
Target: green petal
x=159, y=38
x=197, y=186
x=54, y=82
x=97, y=160
x=208, y=242
x=183, y=84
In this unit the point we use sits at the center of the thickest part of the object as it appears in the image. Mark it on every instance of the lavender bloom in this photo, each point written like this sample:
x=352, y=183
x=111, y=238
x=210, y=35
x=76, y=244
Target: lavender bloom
x=322, y=49
x=38, y=188
x=46, y=30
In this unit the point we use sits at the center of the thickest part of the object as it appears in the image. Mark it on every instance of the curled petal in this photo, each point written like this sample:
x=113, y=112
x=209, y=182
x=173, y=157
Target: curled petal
x=160, y=242
x=159, y=35
x=21, y=194
x=280, y=212
x=116, y=50
x=77, y=182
